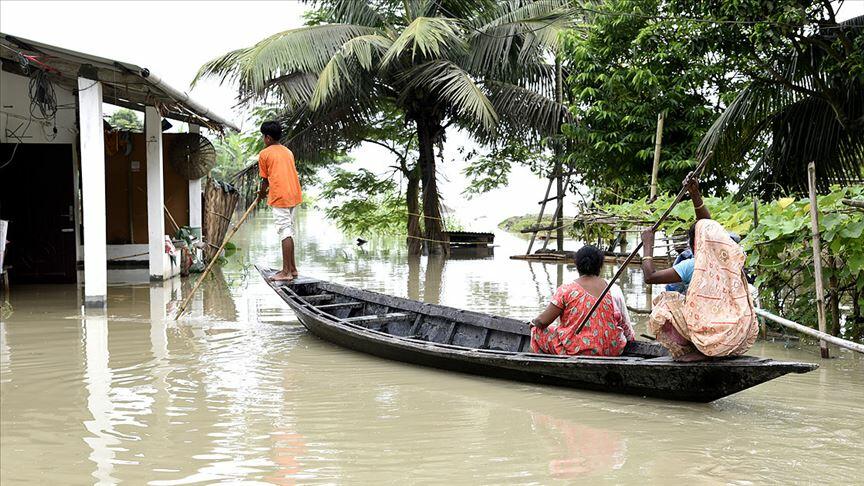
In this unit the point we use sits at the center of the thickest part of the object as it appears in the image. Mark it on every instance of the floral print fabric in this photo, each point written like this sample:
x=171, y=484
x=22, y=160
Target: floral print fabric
x=603, y=335
x=717, y=314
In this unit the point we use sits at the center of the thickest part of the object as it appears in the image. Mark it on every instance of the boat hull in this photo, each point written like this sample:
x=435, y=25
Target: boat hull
x=642, y=371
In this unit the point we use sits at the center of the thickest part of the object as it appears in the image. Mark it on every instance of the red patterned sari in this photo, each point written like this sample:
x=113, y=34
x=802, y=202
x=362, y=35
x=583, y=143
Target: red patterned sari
x=603, y=335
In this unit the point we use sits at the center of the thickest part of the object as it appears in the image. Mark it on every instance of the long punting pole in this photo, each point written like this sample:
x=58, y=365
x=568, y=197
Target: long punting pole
x=623, y=266
x=817, y=256
x=215, y=257
x=822, y=336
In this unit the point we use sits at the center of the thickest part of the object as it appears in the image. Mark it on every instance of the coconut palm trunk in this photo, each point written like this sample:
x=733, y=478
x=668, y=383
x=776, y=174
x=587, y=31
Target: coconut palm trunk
x=429, y=132
x=412, y=196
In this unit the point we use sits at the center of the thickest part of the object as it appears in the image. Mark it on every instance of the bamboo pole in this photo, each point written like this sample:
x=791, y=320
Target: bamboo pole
x=822, y=336
x=655, y=168
x=854, y=203
x=173, y=221
x=215, y=257
x=559, y=172
x=817, y=256
x=632, y=255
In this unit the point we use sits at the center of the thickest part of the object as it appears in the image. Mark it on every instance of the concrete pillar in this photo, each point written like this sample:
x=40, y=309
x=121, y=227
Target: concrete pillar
x=195, y=218
x=155, y=194
x=93, y=192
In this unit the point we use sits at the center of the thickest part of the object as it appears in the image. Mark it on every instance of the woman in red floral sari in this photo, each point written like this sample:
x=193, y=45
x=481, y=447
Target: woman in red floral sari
x=608, y=329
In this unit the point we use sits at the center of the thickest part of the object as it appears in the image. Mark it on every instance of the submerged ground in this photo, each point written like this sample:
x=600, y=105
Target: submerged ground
x=240, y=392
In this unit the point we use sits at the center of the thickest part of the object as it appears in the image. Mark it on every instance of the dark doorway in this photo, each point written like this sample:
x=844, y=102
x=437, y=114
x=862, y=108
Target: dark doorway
x=36, y=197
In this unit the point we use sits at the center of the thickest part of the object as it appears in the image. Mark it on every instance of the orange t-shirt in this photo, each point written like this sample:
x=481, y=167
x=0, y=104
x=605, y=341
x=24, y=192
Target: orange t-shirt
x=276, y=164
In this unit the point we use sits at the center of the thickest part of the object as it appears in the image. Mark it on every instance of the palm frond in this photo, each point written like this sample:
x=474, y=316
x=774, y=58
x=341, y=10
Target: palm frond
x=356, y=12
x=522, y=113
x=293, y=90
x=520, y=34
x=306, y=49
x=433, y=37
x=348, y=67
x=525, y=112
x=809, y=115
x=455, y=87
x=803, y=132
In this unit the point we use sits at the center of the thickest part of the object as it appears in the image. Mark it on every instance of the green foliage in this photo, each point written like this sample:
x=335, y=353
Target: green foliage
x=127, y=120
x=364, y=204
x=805, y=73
x=234, y=152
x=778, y=249
x=624, y=68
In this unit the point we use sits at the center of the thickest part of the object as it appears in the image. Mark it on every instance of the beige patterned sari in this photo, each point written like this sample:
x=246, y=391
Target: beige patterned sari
x=716, y=317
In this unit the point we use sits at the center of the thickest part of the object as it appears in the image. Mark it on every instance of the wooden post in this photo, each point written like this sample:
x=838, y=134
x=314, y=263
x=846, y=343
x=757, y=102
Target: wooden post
x=559, y=172
x=655, y=168
x=817, y=256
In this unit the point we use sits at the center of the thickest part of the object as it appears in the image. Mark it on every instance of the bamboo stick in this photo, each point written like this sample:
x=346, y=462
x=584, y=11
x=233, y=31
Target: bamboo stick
x=215, y=257
x=822, y=336
x=817, y=256
x=173, y=221
x=655, y=168
x=854, y=203
x=559, y=173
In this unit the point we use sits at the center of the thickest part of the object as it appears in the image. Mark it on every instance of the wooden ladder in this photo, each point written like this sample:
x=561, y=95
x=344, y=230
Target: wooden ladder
x=559, y=208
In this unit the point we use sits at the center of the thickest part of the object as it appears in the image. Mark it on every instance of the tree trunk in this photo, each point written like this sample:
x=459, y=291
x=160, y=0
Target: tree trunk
x=428, y=132
x=412, y=195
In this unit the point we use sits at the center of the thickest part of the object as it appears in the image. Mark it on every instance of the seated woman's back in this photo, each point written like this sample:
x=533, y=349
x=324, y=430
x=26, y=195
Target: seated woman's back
x=607, y=331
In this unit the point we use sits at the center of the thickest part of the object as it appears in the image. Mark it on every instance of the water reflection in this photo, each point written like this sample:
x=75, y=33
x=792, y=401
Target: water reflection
x=433, y=278
x=216, y=298
x=98, y=376
x=580, y=451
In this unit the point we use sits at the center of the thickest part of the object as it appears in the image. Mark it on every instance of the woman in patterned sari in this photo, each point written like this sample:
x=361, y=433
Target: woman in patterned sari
x=715, y=317
x=608, y=330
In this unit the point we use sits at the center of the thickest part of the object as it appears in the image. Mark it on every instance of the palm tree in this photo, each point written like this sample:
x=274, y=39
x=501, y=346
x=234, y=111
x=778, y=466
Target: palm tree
x=479, y=65
x=808, y=108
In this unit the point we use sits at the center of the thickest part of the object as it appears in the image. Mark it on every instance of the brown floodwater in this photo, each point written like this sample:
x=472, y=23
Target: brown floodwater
x=239, y=392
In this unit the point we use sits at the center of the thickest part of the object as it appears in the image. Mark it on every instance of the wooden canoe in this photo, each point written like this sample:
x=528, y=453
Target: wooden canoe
x=482, y=344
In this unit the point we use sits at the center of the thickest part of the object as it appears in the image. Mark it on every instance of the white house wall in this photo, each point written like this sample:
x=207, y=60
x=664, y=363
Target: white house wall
x=15, y=114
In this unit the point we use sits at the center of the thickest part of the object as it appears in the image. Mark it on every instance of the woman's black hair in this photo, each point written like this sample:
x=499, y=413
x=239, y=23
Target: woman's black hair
x=273, y=129
x=589, y=260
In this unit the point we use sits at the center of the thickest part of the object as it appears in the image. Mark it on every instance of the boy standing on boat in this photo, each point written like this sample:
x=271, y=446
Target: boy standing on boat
x=281, y=186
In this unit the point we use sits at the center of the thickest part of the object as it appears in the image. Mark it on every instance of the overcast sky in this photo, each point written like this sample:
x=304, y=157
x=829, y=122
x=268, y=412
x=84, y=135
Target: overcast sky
x=174, y=38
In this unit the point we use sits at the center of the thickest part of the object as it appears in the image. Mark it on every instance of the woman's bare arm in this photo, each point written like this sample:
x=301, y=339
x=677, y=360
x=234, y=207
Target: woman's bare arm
x=692, y=185
x=649, y=273
x=548, y=316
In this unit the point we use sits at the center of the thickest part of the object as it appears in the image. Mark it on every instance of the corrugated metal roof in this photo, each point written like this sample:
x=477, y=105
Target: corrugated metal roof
x=124, y=84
